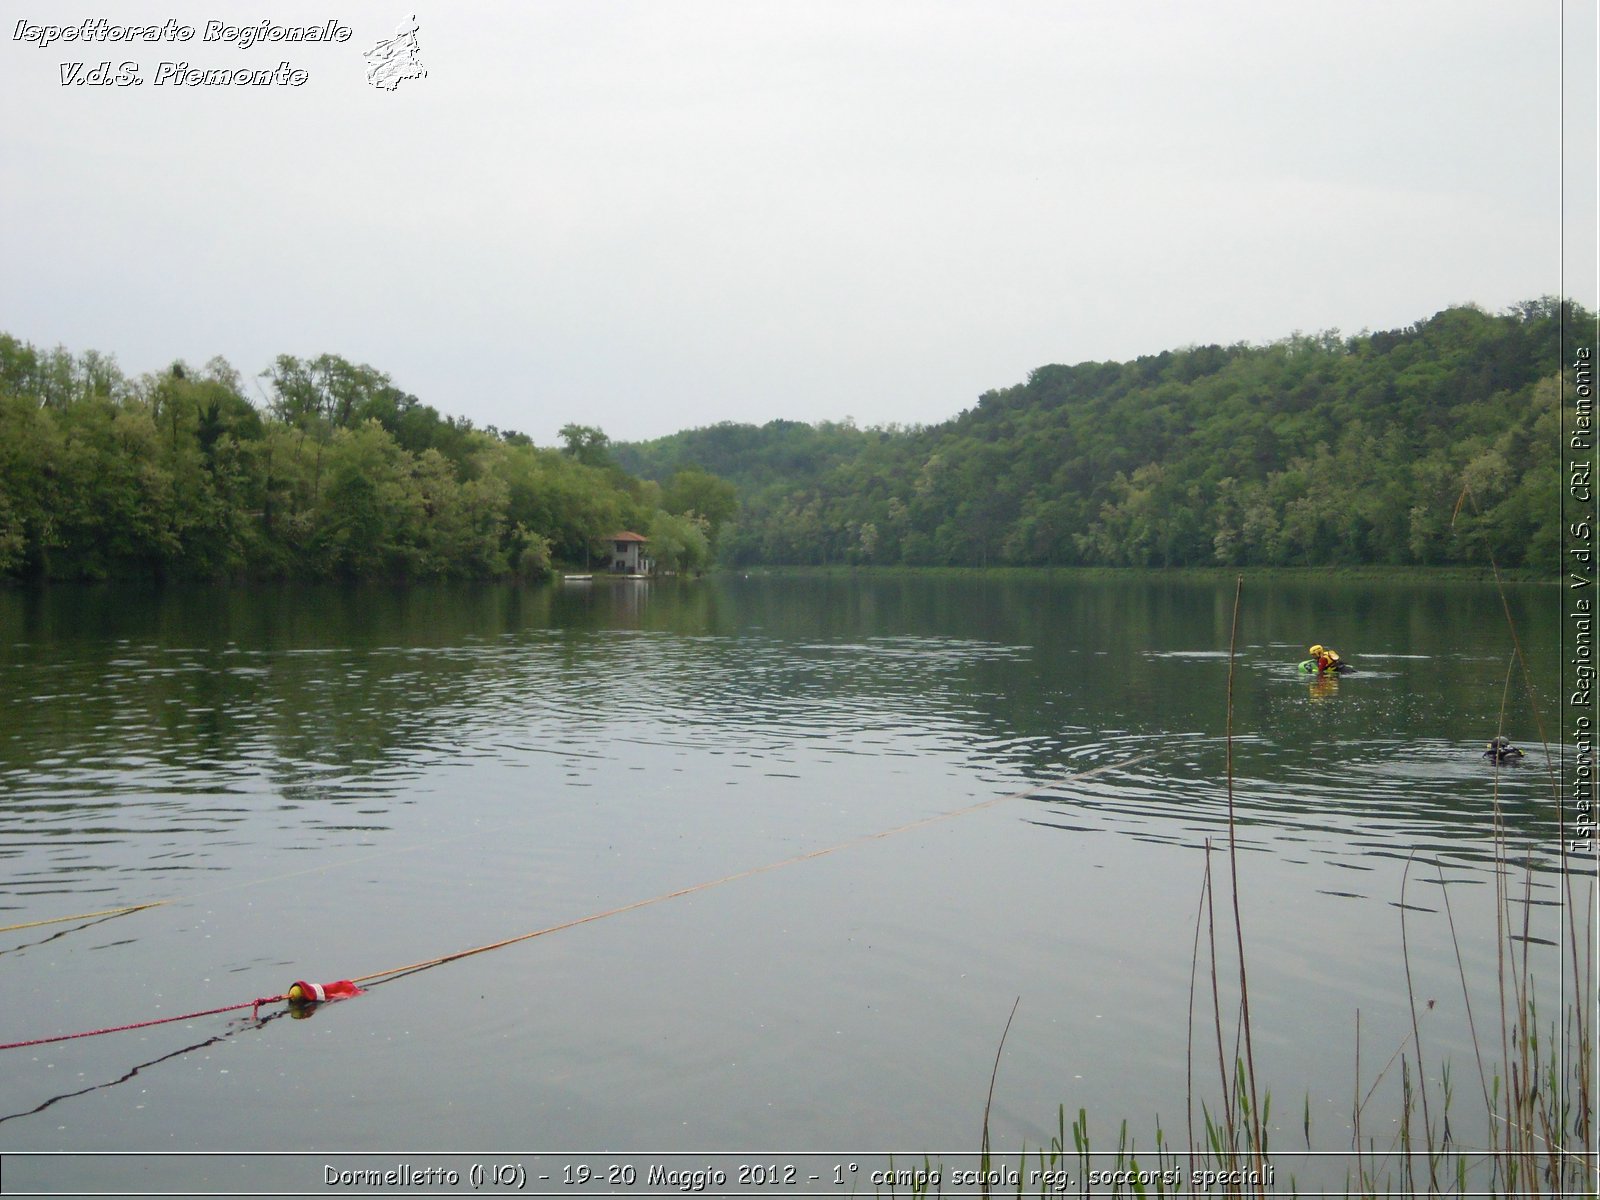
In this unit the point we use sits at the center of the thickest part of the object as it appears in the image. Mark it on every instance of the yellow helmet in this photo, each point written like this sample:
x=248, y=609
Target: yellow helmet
x=1316, y=650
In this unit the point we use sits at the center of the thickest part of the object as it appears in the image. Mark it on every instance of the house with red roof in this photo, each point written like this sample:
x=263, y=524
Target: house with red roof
x=628, y=554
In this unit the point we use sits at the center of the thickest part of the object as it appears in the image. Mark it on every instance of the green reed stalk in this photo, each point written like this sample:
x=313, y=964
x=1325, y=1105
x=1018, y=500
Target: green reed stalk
x=1233, y=870
x=1416, y=1032
x=985, y=1158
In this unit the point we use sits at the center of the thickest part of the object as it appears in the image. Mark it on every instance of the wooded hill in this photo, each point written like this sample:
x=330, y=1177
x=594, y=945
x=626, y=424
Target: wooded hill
x=1424, y=445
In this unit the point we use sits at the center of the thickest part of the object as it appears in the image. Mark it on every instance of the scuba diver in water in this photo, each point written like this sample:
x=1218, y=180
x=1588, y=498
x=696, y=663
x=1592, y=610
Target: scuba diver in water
x=1502, y=751
x=1325, y=659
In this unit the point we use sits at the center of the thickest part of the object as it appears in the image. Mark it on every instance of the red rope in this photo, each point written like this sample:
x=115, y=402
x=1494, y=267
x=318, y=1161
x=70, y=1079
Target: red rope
x=253, y=1005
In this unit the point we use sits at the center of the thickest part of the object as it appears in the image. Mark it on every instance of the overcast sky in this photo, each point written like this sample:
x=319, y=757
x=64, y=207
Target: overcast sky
x=652, y=215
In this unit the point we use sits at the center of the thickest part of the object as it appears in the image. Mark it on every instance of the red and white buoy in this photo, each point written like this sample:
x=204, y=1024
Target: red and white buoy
x=301, y=992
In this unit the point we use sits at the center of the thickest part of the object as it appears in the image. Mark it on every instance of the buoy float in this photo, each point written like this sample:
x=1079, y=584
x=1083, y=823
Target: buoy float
x=301, y=992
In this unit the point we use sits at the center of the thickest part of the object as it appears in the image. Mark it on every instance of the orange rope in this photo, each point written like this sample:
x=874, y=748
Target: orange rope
x=108, y=912
x=772, y=866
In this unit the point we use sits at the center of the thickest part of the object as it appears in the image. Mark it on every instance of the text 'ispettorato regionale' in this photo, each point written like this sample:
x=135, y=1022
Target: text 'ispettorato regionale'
x=101, y=33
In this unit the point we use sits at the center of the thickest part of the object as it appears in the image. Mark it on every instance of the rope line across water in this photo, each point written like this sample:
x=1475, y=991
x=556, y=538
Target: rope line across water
x=105, y=912
x=439, y=960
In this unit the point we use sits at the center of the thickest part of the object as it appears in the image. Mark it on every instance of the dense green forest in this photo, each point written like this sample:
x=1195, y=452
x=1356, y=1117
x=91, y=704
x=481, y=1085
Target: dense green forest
x=1320, y=450
x=338, y=475
x=1432, y=444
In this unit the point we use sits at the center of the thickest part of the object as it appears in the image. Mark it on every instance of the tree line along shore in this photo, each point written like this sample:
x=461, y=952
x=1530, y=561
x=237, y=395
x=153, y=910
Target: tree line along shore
x=1433, y=445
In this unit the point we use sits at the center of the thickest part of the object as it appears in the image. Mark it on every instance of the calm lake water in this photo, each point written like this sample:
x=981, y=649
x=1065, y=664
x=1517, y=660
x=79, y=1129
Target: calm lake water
x=326, y=784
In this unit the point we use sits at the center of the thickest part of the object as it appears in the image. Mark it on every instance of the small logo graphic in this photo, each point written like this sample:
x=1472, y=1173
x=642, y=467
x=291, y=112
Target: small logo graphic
x=396, y=59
